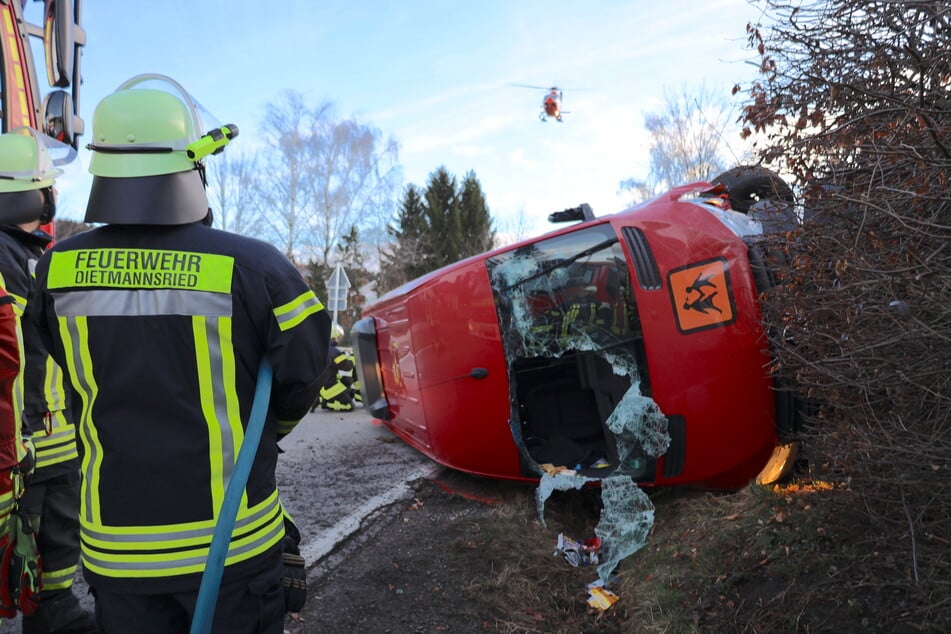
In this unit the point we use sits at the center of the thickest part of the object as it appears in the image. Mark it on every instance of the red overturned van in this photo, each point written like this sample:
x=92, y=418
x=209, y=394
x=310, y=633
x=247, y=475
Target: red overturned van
x=629, y=344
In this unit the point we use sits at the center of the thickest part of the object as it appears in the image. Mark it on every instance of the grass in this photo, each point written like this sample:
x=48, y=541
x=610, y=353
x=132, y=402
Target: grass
x=797, y=557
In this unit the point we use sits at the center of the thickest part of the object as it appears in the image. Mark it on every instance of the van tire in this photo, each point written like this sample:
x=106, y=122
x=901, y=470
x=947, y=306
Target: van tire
x=749, y=184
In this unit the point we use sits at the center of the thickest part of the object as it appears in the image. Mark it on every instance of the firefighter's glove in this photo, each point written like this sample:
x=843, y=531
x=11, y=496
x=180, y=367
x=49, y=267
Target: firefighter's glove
x=295, y=568
x=294, y=582
x=20, y=565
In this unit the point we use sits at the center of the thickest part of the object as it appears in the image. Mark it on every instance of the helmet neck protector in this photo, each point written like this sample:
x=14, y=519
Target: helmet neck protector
x=164, y=199
x=17, y=208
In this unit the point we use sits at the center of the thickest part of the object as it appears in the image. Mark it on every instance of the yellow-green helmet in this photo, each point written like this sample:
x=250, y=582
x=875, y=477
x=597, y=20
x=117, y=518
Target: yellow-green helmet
x=149, y=138
x=25, y=161
x=29, y=163
x=336, y=333
x=144, y=128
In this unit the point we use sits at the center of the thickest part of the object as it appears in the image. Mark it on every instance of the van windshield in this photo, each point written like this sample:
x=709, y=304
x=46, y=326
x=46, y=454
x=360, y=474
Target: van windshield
x=575, y=353
x=565, y=293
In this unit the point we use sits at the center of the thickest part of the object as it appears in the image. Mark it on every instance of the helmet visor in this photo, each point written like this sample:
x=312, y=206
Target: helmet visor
x=30, y=159
x=201, y=119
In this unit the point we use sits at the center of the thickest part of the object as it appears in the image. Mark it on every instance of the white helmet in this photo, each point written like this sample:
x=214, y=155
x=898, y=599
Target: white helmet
x=336, y=333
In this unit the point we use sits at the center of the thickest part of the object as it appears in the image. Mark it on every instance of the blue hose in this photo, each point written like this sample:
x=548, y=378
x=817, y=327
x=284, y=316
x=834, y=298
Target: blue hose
x=211, y=577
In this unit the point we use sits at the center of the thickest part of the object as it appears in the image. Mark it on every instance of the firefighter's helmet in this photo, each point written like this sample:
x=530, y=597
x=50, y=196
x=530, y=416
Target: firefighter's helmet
x=29, y=163
x=336, y=333
x=144, y=171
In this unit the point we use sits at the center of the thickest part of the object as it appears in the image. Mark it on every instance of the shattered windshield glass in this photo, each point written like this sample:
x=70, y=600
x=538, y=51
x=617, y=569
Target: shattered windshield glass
x=579, y=387
x=575, y=352
x=626, y=520
x=582, y=410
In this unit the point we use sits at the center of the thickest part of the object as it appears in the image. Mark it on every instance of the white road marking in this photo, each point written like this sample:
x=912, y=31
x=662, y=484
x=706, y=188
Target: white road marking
x=318, y=548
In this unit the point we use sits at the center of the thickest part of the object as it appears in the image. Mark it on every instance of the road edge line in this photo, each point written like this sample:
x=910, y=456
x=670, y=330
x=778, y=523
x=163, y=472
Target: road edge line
x=318, y=548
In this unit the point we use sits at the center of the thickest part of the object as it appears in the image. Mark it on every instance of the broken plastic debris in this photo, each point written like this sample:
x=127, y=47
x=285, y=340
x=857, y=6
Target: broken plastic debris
x=576, y=553
x=600, y=597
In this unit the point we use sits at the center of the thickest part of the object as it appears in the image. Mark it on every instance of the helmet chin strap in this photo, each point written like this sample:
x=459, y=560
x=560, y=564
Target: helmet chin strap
x=200, y=168
x=49, y=205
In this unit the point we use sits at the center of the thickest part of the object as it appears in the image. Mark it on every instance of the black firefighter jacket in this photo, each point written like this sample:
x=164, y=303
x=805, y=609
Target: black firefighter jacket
x=46, y=415
x=161, y=330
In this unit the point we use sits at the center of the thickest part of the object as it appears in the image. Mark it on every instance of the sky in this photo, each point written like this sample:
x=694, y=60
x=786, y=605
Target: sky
x=437, y=76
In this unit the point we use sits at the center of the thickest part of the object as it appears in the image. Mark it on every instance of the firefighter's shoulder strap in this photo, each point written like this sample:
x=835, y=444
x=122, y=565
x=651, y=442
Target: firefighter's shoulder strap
x=211, y=577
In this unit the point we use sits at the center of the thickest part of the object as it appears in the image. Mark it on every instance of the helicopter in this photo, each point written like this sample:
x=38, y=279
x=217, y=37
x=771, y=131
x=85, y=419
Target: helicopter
x=551, y=103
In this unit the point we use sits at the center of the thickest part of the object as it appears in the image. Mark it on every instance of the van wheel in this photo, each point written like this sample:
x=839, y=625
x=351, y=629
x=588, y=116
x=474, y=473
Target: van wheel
x=749, y=184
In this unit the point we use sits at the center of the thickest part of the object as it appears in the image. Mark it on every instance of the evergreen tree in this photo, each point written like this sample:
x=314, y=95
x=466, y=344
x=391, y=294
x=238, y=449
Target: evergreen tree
x=412, y=219
x=443, y=241
x=353, y=258
x=351, y=255
x=317, y=273
x=476, y=223
x=403, y=260
x=436, y=227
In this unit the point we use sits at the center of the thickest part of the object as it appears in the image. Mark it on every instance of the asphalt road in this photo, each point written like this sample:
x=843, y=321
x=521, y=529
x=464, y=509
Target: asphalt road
x=336, y=470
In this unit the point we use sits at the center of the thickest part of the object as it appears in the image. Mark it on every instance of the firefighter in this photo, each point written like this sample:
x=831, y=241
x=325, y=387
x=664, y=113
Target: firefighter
x=161, y=322
x=336, y=387
x=10, y=453
x=51, y=498
x=15, y=462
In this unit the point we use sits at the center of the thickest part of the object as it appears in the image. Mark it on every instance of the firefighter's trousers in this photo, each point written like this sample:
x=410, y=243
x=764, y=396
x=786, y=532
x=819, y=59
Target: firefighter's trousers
x=55, y=501
x=248, y=605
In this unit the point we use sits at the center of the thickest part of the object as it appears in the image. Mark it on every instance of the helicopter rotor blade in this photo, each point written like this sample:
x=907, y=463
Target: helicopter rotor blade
x=530, y=86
